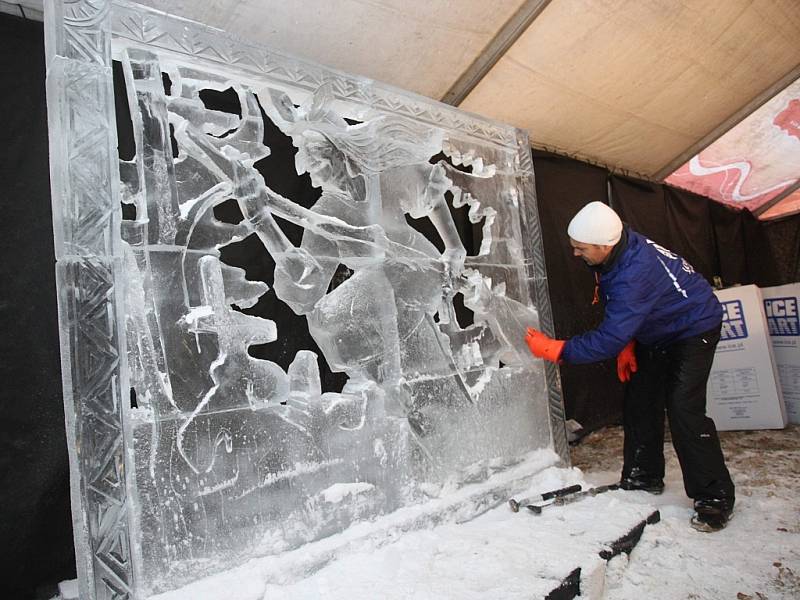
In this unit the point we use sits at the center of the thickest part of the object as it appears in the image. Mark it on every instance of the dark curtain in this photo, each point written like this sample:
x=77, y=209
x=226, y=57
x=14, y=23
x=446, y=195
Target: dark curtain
x=745, y=253
x=592, y=394
x=783, y=239
x=760, y=260
x=36, y=536
x=673, y=218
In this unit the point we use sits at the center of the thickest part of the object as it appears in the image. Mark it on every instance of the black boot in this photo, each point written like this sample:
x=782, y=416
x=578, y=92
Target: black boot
x=712, y=514
x=653, y=485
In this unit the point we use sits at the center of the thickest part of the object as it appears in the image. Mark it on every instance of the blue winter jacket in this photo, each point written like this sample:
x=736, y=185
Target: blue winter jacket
x=652, y=295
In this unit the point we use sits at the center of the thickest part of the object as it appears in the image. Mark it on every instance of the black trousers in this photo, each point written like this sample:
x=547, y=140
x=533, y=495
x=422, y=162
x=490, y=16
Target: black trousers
x=675, y=378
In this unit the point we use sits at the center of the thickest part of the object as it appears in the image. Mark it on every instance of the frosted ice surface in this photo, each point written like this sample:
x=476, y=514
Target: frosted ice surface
x=232, y=450
x=240, y=445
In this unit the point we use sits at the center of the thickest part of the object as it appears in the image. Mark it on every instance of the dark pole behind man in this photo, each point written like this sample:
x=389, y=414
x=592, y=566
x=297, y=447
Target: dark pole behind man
x=662, y=322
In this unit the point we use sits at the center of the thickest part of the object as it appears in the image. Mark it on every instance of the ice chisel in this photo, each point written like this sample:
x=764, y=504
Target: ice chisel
x=515, y=504
x=569, y=498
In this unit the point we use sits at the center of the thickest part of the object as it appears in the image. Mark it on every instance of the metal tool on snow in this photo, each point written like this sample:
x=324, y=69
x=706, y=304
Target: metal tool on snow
x=515, y=504
x=573, y=497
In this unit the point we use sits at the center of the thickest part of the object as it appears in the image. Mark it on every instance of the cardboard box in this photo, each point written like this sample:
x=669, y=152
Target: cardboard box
x=743, y=388
x=782, y=308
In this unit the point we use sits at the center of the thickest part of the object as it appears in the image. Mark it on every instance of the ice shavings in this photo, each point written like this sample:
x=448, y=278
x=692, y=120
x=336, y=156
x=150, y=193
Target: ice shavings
x=339, y=491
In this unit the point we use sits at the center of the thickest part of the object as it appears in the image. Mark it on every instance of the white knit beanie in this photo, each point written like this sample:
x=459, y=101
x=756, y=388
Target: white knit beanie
x=596, y=223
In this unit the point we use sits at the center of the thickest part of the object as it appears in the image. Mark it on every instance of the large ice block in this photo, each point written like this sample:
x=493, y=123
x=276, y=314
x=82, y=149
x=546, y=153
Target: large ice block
x=201, y=352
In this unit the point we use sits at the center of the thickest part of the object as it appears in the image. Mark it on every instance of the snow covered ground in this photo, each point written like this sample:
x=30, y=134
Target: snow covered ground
x=756, y=557
x=505, y=555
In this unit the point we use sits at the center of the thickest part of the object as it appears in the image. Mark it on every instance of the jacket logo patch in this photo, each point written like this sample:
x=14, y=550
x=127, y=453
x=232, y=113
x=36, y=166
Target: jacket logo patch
x=671, y=255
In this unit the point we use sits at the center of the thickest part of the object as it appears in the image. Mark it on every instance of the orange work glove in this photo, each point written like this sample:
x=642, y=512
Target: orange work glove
x=543, y=346
x=626, y=362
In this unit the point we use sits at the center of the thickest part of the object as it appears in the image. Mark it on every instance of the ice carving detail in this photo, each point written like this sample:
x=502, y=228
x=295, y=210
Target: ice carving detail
x=235, y=446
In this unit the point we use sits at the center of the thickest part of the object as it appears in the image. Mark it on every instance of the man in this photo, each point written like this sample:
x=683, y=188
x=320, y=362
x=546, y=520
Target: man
x=662, y=322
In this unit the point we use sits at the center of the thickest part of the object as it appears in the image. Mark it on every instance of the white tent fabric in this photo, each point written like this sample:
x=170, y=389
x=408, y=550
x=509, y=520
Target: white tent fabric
x=633, y=85
x=639, y=87
x=418, y=45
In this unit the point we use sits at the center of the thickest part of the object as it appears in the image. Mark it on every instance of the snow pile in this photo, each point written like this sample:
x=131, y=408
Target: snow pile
x=501, y=554
x=339, y=491
x=756, y=557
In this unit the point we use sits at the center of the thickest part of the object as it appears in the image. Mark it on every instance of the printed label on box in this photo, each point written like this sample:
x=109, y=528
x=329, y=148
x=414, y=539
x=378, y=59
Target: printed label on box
x=782, y=317
x=743, y=391
x=782, y=308
x=734, y=327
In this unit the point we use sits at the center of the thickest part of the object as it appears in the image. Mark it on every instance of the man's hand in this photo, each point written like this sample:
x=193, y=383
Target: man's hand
x=543, y=346
x=626, y=362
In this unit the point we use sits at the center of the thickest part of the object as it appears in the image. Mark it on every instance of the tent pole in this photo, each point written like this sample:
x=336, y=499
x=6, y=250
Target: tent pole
x=494, y=51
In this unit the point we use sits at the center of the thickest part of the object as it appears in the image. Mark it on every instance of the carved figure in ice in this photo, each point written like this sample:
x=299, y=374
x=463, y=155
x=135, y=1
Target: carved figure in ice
x=230, y=438
x=371, y=174
x=235, y=373
x=505, y=317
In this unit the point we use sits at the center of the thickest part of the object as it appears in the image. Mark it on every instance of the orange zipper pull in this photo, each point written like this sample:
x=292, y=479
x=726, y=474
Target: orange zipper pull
x=596, y=298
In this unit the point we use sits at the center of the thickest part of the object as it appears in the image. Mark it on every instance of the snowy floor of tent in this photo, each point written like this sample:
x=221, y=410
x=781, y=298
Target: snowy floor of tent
x=586, y=549
x=555, y=555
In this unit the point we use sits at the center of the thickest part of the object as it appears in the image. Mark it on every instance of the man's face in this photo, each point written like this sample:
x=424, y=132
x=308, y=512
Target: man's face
x=317, y=156
x=592, y=254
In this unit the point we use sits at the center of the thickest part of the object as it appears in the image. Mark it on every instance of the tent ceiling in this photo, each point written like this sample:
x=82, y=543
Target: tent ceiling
x=418, y=45
x=635, y=84
x=638, y=86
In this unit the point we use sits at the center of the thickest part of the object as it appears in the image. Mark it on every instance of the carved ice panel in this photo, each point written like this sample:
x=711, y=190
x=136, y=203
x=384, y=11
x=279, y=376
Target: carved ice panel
x=235, y=445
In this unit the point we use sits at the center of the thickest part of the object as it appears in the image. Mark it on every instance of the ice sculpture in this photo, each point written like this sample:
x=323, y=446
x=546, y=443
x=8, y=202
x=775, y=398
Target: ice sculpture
x=224, y=452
